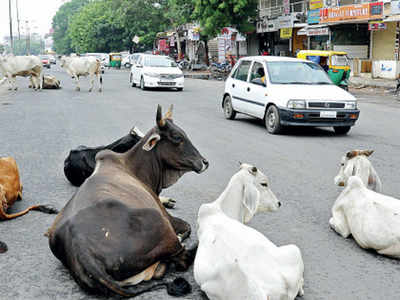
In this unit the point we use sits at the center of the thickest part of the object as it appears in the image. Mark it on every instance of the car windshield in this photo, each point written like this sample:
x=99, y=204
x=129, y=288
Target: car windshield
x=339, y=60
x=159, y=62
x=293, y=72
x=44, y=57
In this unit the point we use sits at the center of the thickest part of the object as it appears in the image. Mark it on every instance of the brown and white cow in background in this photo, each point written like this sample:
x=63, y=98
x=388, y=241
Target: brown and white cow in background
x=83, y=66
x=26, y=66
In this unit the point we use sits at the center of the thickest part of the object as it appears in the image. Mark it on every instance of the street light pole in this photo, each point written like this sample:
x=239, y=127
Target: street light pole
x=11, y=33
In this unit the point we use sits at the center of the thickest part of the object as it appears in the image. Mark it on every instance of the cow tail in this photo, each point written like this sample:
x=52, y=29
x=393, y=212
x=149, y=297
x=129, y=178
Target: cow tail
x=3, y=247
x=95, y=271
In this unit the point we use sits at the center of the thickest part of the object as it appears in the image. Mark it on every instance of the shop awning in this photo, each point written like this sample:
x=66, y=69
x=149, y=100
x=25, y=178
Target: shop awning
x=395, y=18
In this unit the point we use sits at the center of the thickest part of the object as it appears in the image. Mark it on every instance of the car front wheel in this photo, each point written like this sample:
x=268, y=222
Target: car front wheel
x=142, y=86
x=273, y=120
x=229, y=112
x=342, y=129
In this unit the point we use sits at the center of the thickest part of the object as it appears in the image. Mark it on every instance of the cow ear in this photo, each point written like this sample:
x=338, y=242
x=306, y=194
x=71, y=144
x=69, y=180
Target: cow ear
x=367, y=152
x=151, y=142
x=250, y=202
x=351, y=154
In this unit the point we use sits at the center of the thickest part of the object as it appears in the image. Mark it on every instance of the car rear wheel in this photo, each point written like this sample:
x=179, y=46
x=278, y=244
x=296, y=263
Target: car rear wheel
x=142, y=86
x=133, y=84
x=127, y=65
x=272, y=120
x=229, y=112
x=342, y=129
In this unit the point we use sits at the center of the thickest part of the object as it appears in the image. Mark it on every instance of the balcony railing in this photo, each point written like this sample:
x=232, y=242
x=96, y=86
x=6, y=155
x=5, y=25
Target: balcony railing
x=276, y=11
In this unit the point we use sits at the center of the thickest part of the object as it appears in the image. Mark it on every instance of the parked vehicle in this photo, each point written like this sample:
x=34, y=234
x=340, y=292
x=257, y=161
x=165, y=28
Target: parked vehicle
x=334, y=63
x=130, y=60
x=45, y=61
x=115, y=60
x=101, y=57
x=52, y=59
x=287, y=92
x=155, y=71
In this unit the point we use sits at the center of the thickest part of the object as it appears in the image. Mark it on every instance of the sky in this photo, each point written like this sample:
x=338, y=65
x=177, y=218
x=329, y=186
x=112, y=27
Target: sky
x=39, y=13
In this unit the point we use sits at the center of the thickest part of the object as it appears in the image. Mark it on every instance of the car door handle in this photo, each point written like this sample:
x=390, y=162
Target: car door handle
x=233, y=85
x=248, y=89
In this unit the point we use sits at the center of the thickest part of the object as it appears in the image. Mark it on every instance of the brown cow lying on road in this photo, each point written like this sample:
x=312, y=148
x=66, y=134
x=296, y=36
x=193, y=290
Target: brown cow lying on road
x=49, y=82
x=11, y=190
x=114, y=232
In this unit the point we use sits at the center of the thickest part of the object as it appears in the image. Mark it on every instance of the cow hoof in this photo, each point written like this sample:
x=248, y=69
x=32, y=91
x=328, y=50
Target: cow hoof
x=90, y=90
x=168, y=202
x=15, y=88
x=100, y=90
x=3, y=247
x=77, y=89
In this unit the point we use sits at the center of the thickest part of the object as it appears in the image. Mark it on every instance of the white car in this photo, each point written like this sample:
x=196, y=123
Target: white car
x=155, y=71
x=287, y=91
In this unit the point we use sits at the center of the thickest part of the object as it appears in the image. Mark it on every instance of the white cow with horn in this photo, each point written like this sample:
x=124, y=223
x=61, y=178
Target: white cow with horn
x=26, y=66
x=83, y=66
x=356, y=163
x=372, y=219
x=236, y=262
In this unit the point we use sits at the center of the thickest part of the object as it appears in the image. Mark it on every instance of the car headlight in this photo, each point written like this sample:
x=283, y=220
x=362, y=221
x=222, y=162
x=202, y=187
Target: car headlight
x=296, y=104
x=350, y=105
x=152, y=74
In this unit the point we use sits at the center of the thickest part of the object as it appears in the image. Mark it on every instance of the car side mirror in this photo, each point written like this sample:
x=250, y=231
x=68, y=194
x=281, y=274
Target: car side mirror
x=258, y=81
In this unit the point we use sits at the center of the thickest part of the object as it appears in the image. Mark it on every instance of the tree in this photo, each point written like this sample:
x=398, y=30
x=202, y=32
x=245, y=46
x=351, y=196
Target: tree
x=61, y=21
x=217, y=14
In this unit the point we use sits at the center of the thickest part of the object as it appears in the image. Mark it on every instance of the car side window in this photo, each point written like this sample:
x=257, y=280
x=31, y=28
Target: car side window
x=257, y=71
x=242, y=71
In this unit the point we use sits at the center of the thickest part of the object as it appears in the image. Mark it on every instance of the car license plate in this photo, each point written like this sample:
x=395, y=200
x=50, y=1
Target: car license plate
x=327, y=114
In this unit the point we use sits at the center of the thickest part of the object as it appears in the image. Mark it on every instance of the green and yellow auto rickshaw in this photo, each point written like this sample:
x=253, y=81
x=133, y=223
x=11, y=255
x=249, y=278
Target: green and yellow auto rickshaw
x=335, y=63
x=115, y=60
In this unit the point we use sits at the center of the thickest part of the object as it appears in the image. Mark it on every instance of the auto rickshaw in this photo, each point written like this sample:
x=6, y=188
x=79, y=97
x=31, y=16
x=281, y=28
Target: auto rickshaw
x=115, y=60
x=335, y=63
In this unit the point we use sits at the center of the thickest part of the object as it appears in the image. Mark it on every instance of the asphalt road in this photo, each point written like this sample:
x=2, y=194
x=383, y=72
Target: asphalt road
x=39, y=128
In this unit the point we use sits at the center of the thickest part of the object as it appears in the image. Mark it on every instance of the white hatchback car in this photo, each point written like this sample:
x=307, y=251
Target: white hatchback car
x=155, y=71
x=287, y=91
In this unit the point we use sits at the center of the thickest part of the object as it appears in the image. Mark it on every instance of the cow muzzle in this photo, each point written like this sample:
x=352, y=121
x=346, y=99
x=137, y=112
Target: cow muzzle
x=205, y=165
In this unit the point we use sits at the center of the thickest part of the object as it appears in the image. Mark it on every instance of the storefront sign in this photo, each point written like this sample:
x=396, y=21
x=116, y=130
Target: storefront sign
x=376, y=25
x=363, y=11
x=395, y=7
x=313, y=16
x=286, y=33
x=314, y=4
x=286, y=7
x=318, y=31
x=285, y=22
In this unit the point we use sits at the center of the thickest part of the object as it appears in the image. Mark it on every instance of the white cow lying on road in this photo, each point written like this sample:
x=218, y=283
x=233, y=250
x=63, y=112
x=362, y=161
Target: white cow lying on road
x=27, y=66
x=372, y=218
x=83, y=66
x=356, y=163
x=236, y=262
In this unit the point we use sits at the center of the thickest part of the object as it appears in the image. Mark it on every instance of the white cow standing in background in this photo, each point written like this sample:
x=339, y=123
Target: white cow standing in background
x=83, y=66
x=356, y=163
x=371, y=218
x=26, y=66
x=237, y=262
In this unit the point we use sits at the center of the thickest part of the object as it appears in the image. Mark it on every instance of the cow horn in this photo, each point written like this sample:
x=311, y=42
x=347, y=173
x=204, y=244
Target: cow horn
x=160, y=121
x=168, y=115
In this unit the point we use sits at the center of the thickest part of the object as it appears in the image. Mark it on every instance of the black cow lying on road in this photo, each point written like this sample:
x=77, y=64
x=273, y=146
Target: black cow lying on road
x=80, y=162
x=114, y=233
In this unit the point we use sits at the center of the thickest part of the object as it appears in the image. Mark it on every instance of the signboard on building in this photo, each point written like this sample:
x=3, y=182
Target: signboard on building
x=315, y=4
x=285, y=22
x=286, y=33
x=376, y=25
x=318, y=31
x=395, y=7
x=286, y=7
x=363, y=11
x=313, y=16
x=330, y=3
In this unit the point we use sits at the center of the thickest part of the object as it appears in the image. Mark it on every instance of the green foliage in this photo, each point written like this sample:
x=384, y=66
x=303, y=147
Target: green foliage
x=61, y=21
x=178, y=12
x=216, y=14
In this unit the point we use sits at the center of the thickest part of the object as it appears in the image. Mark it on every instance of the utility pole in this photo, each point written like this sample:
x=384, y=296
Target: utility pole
x=19, y=33
x=28, y=38
x=11, y=33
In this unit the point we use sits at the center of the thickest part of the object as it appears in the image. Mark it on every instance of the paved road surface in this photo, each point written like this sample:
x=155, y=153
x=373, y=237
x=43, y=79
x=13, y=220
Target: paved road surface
x=39, y=128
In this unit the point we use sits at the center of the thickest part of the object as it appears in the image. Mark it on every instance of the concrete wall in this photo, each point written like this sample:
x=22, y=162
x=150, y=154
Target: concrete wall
x=388, y=69
x=383, y=43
